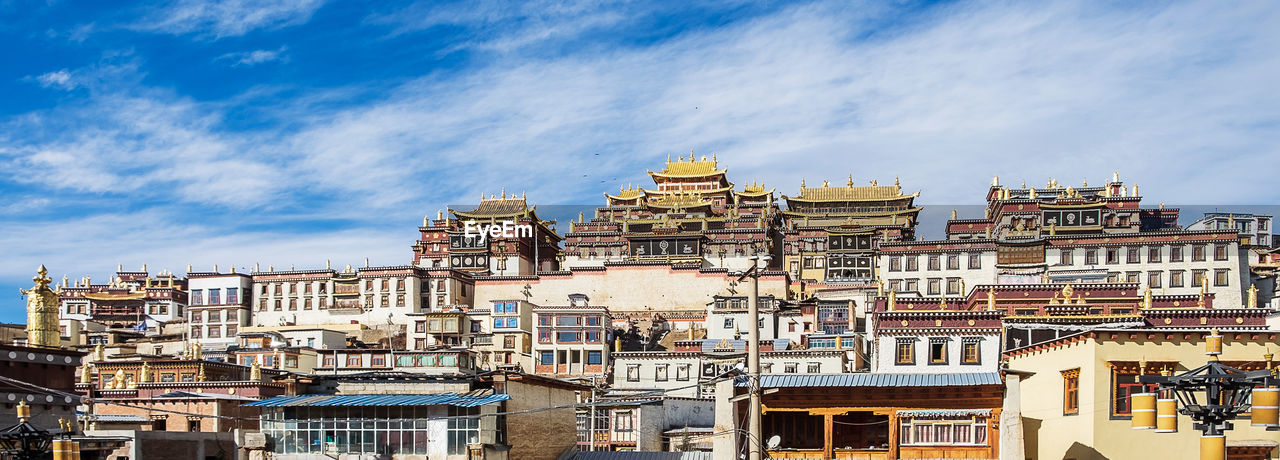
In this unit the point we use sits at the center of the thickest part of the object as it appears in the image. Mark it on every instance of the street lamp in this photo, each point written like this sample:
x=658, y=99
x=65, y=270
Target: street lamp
x=1226, y=392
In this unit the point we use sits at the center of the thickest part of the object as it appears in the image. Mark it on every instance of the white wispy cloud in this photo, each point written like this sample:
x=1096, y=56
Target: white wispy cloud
x=226, y=18
x=1175, y=96
x=57, y=79
x=255, y=57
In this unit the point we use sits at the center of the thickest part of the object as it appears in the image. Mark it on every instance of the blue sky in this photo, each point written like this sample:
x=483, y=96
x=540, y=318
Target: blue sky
x=290, y=132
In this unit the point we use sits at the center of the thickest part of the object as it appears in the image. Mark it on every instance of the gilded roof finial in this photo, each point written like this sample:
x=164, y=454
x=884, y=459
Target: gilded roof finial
x=1085, y=183
x=953, y=214
x=504, y=193
x=1115, y=176
x=691, y=155
x=850, y=183
x=801, y=182
x=1135, y=190
x=874, y=183
x=995, y=181
x=825, y=184
x=895, y=182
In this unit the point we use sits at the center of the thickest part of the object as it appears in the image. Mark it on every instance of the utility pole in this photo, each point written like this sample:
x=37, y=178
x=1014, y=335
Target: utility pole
x=592, y=419
x=754, y=429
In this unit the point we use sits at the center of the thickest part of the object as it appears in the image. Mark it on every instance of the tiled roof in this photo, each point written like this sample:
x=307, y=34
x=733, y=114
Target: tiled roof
x=691, y=168
x=452, y=399
x=876, y=379
x=874, y=192
x=499, y=207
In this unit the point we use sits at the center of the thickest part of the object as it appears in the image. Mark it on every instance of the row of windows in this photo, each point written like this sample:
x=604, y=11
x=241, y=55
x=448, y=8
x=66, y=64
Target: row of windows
x=1176, y=278
x=1154, y=254
x=214, y=316
x=214, y=332
x=309, y=303
x=934, y=261
x=569, y=320
x=570, y=356
x=215, y=296
x=970, y=352
x=544, y=336
x=661, y=372
x=305, y=287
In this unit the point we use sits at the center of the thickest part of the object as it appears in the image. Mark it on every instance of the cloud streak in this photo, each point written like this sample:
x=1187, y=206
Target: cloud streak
x=219, y=19
x=1172, y=95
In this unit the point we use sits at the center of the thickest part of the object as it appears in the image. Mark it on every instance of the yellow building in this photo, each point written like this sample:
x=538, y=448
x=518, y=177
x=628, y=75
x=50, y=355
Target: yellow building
x=1075, y=402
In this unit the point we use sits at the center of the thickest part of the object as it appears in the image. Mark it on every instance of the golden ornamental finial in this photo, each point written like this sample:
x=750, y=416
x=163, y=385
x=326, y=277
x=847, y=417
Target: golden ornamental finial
x=1115, y=176
x=850, y=183
x=801, y=182
x=995, y=181
x=953, y=214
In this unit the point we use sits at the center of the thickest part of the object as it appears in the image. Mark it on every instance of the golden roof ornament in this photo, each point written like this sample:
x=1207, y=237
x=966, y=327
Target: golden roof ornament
x=893, y=299
x=201, y=376
x=1253, y=296
x=1067, y=291
x=850, y=183
x=942, y=305
x=255, y=371
x=1115, y=176
x=1147, y=298
x=42, y=312
x=995, y=181
x=953, y=214
x=86, y=373
x=991, y=298
x=963, y=291
x=144, y=375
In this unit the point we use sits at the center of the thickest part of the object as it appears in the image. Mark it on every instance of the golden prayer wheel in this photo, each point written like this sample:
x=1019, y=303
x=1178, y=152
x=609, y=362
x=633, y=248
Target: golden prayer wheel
x=61, y=449
x=1266, y=407
x=1166, y=415
x=75, y=450
x=1144, y=411
x=1213, y=344
x=1213, y=447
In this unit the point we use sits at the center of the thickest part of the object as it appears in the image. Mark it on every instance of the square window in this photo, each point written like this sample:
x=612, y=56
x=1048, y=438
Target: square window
x=906, y=352
x=937, y=351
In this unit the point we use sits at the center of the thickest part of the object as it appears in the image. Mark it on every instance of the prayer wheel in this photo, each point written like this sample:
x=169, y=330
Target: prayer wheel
x=75, y=450
x=1213, y=344
x=1166, y=415
x=1144, y=411
x=61, y=449
x=1266, y=407
x=1213, y=447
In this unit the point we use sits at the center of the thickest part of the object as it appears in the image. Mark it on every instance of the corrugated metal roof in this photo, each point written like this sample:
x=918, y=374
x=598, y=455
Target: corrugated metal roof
x=452, y=399
x=876, y=379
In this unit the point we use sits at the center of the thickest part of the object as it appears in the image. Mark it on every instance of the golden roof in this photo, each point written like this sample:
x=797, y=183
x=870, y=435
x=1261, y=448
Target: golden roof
x=497, y=206
x=755, y=190
x=690, y=168
x=627, y=194
x=850, y=193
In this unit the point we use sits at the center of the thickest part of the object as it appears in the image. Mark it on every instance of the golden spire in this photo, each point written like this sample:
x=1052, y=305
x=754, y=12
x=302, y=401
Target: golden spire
x=1085, y=183
x=991, y=298
x=42, y=312
x=953, y=214
x=255, y=371
x=943, y=304
x=850, y=183
x=801, y=182
x=1146, y=298
x=895, y=182
x=1253, y=296
x=86, y=373
x=690, y=154
x=995, y=181
x=893, y=298
x=1115, y=176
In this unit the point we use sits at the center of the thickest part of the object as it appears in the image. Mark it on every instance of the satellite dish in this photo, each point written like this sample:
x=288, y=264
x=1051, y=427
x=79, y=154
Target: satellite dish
x=773, y=442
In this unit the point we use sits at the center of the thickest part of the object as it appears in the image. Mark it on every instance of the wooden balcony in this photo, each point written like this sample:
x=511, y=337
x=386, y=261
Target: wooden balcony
x=839, y=454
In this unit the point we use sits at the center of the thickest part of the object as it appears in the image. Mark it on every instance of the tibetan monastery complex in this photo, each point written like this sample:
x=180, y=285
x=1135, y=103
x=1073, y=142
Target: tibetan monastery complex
x=1067, y=322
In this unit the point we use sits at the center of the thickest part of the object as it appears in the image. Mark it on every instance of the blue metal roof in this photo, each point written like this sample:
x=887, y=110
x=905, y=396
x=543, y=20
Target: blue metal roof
x=452, y=399
x=876, y=379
